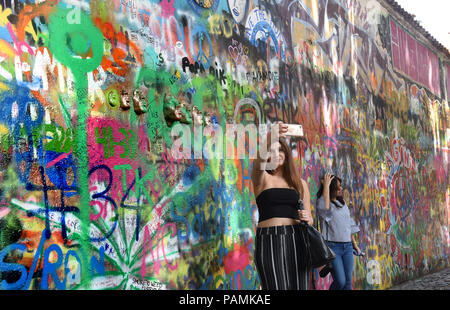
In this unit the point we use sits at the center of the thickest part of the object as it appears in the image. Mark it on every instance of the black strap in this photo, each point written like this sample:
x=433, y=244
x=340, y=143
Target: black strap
x=300, y=206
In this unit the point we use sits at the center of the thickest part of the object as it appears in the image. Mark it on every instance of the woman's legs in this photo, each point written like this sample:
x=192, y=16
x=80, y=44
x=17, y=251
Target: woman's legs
x=337, y=272
x=279, y=257
x=347, y=260
x=342, y=266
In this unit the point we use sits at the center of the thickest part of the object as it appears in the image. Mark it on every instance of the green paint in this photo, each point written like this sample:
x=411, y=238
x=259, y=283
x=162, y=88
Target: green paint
x=161, y=80
x=66, y=42
x=79, y=43
x=61, y=140
x=112, y=97
x=10, y=183
x=106, y=138
x=10, y=230
x=66, y=114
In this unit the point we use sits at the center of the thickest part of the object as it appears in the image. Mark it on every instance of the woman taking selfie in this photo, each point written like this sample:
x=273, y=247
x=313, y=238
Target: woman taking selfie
x=280, y=256
x=337, y=227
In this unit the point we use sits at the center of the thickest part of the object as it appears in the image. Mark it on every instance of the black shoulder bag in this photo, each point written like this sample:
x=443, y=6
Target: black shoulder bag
x=319, y=254
x=327, y=269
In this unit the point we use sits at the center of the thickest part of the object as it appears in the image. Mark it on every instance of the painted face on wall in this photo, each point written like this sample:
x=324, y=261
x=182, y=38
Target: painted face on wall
x=208, y=120
x=139, y=101
x=176, y=111
x=113, y=97
x=182, y=112
x=125, y=103
x=197, y=116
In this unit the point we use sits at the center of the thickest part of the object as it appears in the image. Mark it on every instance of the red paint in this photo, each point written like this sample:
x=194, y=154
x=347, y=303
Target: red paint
x=237, y=259
x=121, y=68
x=58, y=159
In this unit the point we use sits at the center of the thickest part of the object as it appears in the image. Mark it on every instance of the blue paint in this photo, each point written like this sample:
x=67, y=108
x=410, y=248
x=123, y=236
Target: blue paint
x=67, y=271
x=190, y=174
x=201, y=33
x=98, y=265
x=179, y=206
x=9, y=267
x=246, y=177
x=61, y=209
x=36, y=257
x=21, y=126
x=264, y=27
x=57, y=173
x=49, y=269
x=103, y=196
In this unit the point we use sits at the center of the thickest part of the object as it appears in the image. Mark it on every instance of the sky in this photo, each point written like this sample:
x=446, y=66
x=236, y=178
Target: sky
x=433, y=15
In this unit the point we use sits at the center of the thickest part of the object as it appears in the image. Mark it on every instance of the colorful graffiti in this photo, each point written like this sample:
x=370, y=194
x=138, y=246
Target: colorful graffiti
x=91, y=196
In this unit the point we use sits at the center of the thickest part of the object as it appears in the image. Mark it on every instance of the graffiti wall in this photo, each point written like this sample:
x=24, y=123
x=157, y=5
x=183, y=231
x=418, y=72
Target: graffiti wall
x=92, y=196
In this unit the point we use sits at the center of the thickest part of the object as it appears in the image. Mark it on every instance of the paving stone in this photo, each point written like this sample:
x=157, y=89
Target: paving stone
x=439, y=280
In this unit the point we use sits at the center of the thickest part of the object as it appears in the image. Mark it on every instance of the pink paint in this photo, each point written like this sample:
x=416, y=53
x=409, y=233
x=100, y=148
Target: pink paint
x=441, y=172
x=420, y=63
x=19, y=45
x=159, y=208
x=102, y=205
x=237, y=259
x=57, y=159
x=148, y=245
x=167, y=8
x=168, y=162
x=4, y=212
x=96, y=153
x=174, y=233
x=102, y=212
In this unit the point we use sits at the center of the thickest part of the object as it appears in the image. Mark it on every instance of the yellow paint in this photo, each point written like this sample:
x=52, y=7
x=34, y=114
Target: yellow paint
x=3, y=130
x=29, y=29
x=382, y=226
x=4, y=16
x=313, y=7
x=6, y=49
x=231, y=172
x=217, y=25
x=385, y=263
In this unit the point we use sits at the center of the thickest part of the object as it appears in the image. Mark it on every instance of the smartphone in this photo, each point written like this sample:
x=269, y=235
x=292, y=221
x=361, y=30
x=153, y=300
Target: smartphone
x=358, y=254
x=294, y=130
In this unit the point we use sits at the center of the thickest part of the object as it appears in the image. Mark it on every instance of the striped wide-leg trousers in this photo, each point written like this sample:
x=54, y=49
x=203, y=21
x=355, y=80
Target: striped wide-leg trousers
x=280, y=258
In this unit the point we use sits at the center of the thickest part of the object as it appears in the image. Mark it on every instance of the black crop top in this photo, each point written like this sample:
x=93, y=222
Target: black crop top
x=277, y=202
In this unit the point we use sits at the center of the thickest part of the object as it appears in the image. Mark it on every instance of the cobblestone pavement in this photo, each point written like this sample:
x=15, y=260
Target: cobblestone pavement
x=439, y=280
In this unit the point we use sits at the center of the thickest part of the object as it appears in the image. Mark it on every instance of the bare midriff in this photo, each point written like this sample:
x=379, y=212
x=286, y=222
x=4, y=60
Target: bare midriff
x=278, y=221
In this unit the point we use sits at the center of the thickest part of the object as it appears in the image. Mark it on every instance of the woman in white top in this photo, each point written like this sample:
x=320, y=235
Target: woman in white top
x=338, y=228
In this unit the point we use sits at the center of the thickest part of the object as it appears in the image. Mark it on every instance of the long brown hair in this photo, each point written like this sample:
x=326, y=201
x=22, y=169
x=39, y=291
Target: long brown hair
x=333, y=189
x=289, y=169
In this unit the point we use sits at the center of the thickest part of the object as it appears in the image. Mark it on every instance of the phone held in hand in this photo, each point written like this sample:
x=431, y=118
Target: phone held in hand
x=358, y=254
x=295, y=130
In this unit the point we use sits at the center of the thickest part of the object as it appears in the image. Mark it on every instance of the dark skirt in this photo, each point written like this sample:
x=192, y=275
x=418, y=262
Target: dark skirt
x=280, y=258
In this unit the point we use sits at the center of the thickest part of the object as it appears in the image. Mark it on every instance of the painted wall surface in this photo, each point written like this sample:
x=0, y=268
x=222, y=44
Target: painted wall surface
x=91, y=195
